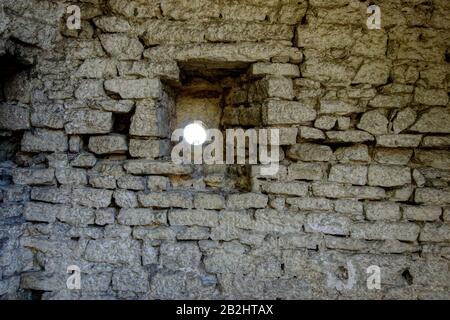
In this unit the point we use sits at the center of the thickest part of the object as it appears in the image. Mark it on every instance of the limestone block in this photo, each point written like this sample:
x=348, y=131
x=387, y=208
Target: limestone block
x=311, y=204
x=421, y=213
x=392, y=156
x=209, y=201
x=353, y=136
x=130, y=280
x=287, y=112
x=149, y=120
x=134, y=88
x=88, y=122
x=90, y=197
x=275, y=69
x=431, y=97
x=439, y=159
x=44, y=140
x=142, y=217
x=34, y=176
x=432, y=196
x=295, y=188
x=382, y=211
x=246, y=200
x=339, y=107
x=114, y=143
x=166, y=200
x=73, y=176
x=125, y=199
x=310, y=152
x=206, y=218
x=305, y=171
x=180, y=256
x=404, y=119
x=436, y=120
x=335, y=190
x=47, y=116
x=131, y=182
x=385, y=231
x=156, y=167
x=435, y=233
x=327, y=223
x=374, y=122
x=113, y=251
x=389, y=176
x=399, y=141
x=121, y=46
x=14, y=116
x=148, y=149
x=354, y=174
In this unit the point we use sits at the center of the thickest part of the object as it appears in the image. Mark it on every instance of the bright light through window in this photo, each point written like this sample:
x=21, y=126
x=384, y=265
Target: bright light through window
x=195, y=133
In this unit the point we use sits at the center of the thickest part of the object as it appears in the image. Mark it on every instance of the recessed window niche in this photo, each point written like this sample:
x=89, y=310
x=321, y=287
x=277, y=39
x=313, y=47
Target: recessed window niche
x=216, y=97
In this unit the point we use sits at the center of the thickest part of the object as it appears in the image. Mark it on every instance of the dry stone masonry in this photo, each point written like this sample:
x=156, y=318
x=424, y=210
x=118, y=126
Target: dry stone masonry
x=86, y=177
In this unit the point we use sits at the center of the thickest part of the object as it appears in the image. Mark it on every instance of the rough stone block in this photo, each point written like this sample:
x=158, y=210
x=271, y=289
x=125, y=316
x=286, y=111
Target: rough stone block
x=353, y=136
x=90, y=197
x=399, y=141
x=148, y=149
x=142, y=217
x=130, y=182
x=432, y=196
x=134, y=88
x=385, y=231
x=275, y=69
x=382, y=211
x=327, y=223
x=48, y=116
x=310, y=152
x=335, y=190
x=166, y=200
x=432, y=232
x=34, y=176
x=392, y=156
x=431, y=97
x=121, y=46
x=125, y=252
x=14, y=116
x=246, y=200
x=354, y=174
x=41, y=140
x=88, y=122
x=203, y=218
x=286, y=188
x=71, y=176
x=149, y=120
x=133, y=280
x=125, y=199
x=338, y=107
x=209, y=201
x=421, y=213
x=177, y=256
x=156, y=167
x=374, y=122
x=435, y=120
x=42, y=212
x=311, y=204
x=389, y=176
x=287, y=112
x=114, y=143
x=305, y=171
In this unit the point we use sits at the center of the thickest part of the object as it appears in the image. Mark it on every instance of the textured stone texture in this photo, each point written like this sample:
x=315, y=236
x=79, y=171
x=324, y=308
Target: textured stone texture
x=86, y=178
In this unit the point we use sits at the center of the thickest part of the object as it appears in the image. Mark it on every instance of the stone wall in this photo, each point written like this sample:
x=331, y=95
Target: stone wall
x=86, y=176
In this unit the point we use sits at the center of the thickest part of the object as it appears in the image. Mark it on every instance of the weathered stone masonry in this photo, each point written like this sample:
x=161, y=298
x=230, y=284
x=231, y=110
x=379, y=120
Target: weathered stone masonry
x=85, y=171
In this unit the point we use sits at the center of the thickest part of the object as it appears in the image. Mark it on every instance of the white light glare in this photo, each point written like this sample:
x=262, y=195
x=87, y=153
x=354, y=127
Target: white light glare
x=195, y=133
